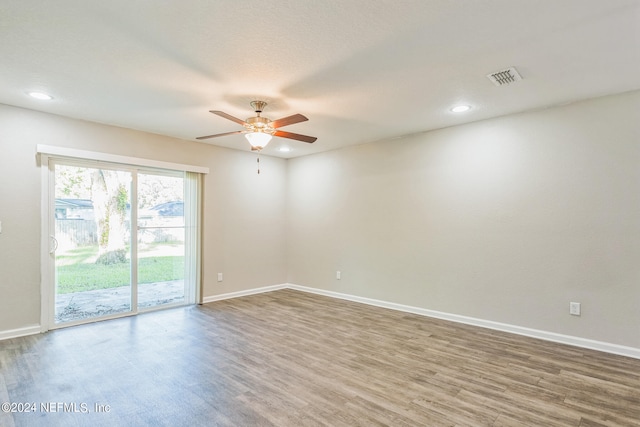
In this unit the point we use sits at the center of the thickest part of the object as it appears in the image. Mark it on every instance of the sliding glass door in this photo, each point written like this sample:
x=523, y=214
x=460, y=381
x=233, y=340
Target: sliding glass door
x=105, y=267
x=92, y=242
x=161, y=240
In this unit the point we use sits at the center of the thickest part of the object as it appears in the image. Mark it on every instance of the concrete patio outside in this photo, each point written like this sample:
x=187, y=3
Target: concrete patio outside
x=102, y=302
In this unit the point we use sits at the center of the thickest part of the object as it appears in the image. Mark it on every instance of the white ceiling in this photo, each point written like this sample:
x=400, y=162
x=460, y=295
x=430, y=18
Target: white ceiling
x=360, y=70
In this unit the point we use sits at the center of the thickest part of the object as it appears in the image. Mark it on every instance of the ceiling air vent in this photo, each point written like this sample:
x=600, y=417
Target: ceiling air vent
x=504, y=77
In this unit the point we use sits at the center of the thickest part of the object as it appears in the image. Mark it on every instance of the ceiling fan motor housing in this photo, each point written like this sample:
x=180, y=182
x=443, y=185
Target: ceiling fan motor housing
x=259, y=124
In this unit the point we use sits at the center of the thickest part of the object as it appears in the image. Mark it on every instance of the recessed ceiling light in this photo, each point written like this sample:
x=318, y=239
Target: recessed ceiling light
x=461, y=108
x=285, y=149
x=40, y=95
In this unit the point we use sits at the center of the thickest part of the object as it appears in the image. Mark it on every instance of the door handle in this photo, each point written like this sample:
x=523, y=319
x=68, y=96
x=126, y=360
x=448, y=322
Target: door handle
x=55, y=244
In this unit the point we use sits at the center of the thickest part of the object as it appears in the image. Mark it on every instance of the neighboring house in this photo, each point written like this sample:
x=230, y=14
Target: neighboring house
x=83, y=209
x=169, y=209
x=74, y=209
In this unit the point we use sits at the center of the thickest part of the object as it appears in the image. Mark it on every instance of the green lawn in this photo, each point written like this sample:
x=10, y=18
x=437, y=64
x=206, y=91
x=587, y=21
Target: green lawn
x=82, y=276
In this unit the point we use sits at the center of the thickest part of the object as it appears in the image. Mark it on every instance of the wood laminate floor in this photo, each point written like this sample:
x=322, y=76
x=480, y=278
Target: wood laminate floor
x=288, y=358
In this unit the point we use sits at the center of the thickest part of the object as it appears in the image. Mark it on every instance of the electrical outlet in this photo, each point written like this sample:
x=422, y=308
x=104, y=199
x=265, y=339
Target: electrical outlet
x=574, y=308
x=338, y=275
x=219, y=277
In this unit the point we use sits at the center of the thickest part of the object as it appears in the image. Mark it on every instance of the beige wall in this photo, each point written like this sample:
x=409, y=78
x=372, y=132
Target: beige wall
x=505, y=220
x=244, y=212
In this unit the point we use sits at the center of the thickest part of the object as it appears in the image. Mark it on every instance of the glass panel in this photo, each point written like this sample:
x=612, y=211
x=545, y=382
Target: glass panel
x=93, y=235
x=161, y=240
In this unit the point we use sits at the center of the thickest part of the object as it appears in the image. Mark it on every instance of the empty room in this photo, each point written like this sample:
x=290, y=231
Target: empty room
x=304, y=213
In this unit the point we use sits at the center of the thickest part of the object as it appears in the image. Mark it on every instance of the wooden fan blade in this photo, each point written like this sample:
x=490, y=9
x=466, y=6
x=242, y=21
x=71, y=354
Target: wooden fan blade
x=286, y=121
x=229, y=117
x=296, y=136
x=219, y=134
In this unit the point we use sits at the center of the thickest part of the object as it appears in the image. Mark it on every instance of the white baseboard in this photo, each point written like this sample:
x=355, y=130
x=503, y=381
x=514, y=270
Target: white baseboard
x=20, y=332
x=519, y=330
x=504, y=327
x=242, y=293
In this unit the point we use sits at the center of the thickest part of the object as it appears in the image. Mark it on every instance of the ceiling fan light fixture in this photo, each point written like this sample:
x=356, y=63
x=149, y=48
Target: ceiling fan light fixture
x=258, y=139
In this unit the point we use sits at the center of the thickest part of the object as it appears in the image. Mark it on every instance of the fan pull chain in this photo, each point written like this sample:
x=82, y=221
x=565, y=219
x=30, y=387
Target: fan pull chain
x=258, y=160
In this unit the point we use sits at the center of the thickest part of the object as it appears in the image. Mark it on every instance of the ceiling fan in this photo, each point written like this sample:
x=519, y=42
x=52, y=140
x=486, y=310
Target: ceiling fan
x=258, y=130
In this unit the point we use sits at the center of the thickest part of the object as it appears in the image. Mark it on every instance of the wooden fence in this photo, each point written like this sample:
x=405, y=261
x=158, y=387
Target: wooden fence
x=72, y=233
x=79, y=232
